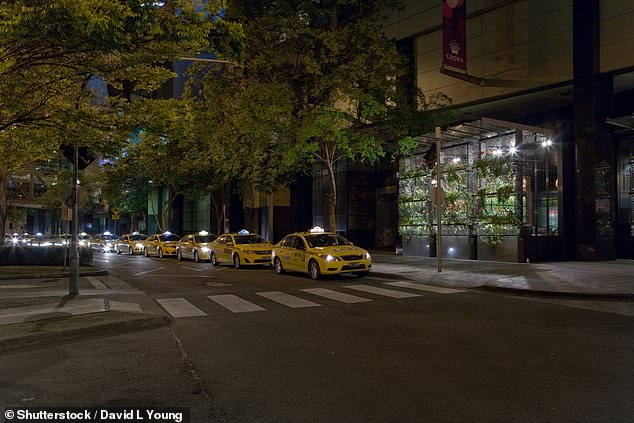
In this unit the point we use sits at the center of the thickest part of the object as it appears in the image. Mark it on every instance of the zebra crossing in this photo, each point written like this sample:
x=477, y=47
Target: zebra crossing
x=180, y=307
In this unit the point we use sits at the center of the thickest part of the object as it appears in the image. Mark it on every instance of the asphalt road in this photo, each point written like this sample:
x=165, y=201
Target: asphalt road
x=270, y=348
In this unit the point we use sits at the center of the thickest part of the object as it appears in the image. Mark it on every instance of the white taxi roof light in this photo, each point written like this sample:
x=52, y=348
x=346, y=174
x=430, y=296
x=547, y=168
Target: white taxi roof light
x=317, y=230
x=243, y=232
x=15, y=234
x=167, y=233
x=38, y=234
x=203, y=233
x=135, y=233
x=107, y=233
x=83, y=234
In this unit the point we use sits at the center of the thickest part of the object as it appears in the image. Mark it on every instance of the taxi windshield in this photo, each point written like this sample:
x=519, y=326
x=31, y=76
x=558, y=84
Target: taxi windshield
x=249, y=239
x=137, y=237
x=201, y=239
x=169, y=238
x=325, y=240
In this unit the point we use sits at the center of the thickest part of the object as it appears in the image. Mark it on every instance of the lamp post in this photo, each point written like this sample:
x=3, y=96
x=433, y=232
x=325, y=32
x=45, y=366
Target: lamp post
x=438, y=202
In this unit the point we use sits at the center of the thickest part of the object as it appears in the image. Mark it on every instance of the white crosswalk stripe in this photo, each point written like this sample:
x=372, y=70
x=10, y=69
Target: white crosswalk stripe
x=235, y=303
x=287, y=300
x=180, y=307
x=337, y=296
x=382, y=291
x=428, y=288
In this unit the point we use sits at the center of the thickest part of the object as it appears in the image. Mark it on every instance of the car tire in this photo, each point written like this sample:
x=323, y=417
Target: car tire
x=196, y=259
x=213, y=259
x=130, y=251
x=277, y=264
x=179, y=257
x=145, y=253
x=118, y=250
x=236, y=261
x=313, y=270
x=159, y=252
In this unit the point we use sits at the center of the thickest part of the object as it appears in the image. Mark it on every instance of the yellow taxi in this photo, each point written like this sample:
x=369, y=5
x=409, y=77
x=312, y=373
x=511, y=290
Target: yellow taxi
x=320, y=253
x=130, y=243
x=195, y=246
x=161, y=245
x=242, y=248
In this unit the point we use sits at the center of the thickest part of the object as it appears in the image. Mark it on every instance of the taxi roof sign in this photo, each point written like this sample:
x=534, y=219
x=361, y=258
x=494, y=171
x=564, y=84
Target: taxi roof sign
x=243, y=232
x=107, y=233
x=203, y=233
x=317, y=230
x=167, y=233
x=135, y=233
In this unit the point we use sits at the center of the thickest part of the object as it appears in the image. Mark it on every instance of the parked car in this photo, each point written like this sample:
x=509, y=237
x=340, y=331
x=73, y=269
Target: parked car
x=320, y=253
x=103, y=242
x=195, y=246
x=130, y=243
x=242, y=248
x=161, y=245
x=84, y=239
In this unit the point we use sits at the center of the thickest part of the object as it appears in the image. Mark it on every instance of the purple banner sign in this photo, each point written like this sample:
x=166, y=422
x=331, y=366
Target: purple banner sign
x=454, y=30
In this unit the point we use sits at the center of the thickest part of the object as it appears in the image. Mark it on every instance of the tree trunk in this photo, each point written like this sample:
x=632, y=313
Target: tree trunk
x=332, y=199
x=4, y=202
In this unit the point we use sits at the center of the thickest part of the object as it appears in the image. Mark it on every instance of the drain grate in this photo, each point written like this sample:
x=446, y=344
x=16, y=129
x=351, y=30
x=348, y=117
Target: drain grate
x=122, y=306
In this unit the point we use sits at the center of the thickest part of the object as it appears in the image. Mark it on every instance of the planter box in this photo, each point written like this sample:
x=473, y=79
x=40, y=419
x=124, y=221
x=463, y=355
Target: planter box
x=421, y=246
x=33, y=255
x=506, y=250
x=458, y=247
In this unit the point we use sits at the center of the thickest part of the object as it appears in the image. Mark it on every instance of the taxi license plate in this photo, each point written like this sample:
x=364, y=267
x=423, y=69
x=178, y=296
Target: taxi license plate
x=355, y=265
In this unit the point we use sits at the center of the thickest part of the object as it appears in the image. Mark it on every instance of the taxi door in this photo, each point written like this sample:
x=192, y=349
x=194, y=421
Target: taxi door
x=187, y=247
x=151, y=245
x=227, y=248
x=299, y=254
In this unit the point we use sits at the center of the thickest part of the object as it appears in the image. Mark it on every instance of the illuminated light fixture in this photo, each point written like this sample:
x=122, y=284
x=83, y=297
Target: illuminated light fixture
x=497, y=152
x=456, y=160
x=203, y=233
x=547, y=143
x=243, y=232
x=513, y=149
x=317, y=230
x=434, y=182
x=451, y=249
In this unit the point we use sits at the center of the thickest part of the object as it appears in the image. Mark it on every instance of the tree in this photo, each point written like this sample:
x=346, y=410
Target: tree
x=52, y=53
x=337, y=76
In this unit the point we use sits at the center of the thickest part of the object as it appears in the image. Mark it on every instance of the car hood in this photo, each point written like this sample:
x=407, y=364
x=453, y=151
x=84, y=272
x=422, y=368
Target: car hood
x=340, y=249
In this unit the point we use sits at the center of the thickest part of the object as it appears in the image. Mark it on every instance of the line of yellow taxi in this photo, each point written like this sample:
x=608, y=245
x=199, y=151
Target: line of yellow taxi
x=316, y=252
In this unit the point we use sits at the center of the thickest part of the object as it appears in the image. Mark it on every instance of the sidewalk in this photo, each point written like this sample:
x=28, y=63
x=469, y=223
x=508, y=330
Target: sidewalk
x=610, y=280
x=35, y=309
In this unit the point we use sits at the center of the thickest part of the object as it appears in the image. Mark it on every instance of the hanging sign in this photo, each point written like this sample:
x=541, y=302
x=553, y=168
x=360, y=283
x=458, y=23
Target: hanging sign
x=454, y=31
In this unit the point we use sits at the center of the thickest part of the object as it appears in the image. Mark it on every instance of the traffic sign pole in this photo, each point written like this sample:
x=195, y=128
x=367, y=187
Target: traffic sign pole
x=73, y=279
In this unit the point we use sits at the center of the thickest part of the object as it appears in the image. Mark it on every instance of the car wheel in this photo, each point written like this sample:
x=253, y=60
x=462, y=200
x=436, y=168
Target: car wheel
x=213, y=259
x=118, y=250
x=145, y=253
x=236, y=261
x=313, y=270
x=130, y=251
x=277, y=263
x=179, y=257
x=160, y=253
x=196, y=259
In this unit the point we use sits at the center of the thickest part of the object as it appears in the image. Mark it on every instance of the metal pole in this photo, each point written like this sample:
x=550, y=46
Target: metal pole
x=73, y=280
x=438, y=202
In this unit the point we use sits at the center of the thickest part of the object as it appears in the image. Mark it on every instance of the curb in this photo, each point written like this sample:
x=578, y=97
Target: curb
x=133, y=322
x=564, y=295
x=53, y=275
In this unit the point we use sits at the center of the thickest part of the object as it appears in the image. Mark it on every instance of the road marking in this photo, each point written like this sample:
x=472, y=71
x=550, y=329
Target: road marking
x=180, y=307
x=102, y=261
x=287, y=300
x=429, y=288
x=382, y=291
x=178, y=276
x=235, y=304
x=96, y=282
x=192, y=268
x=337, y=296
x=148, y=271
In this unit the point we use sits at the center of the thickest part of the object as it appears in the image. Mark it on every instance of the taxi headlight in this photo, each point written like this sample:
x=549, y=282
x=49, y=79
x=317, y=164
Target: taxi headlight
x=329, y=258
x=367, y=256
x=205, y=249
x=82, y=243
x=138, y=245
